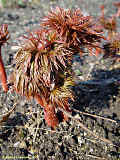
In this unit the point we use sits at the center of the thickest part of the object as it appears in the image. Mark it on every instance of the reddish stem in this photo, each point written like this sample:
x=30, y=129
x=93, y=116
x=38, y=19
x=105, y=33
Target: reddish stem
x=3, y=77
x=39, y=100
x=50, y=116
x=49, y=111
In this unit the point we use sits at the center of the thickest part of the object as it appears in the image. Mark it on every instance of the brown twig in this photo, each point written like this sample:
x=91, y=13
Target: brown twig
x=85, y=128
x=95, y=116
x=96, y=157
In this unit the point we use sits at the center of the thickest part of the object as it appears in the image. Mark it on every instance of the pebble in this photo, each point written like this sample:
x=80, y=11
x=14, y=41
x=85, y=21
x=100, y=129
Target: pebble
x=16, y=144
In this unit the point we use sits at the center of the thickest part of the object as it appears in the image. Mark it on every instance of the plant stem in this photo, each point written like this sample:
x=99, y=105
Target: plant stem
x=49, y=111
x=3, y=77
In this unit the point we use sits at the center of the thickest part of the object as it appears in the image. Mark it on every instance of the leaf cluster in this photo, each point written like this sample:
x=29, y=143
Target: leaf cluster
x=111, y=47
x=4, y=34
x=40, y=70
x=76, y=30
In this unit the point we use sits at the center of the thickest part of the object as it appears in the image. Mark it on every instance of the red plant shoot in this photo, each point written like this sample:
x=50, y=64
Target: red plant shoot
x=4, y=36
x=40, y=72
x=76, y=30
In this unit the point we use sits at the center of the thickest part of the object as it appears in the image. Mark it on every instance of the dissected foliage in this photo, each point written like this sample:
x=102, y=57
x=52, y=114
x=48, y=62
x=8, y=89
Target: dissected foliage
x=38, y=61
x=109, y=24
x=4, y=34
x=112, y=47
x=59, y=96
x=76, y=30
x=41, y=63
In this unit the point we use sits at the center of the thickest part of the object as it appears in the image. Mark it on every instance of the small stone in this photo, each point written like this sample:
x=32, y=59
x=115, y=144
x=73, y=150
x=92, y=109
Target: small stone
x=16, y=144
x=13, y=17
